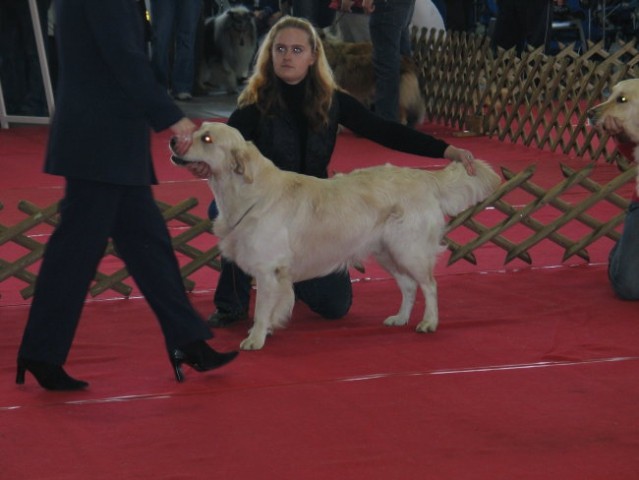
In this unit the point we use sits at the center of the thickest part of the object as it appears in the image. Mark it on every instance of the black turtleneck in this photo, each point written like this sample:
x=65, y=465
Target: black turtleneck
x=350, y=113
x=294, y=99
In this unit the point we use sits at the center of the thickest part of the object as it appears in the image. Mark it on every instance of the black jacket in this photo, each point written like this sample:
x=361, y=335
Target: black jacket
x=107, y=96
x=285, y=139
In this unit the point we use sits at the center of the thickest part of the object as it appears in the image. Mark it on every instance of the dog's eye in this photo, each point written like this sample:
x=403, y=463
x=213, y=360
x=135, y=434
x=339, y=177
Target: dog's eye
x=207, y=138
x=622, y=99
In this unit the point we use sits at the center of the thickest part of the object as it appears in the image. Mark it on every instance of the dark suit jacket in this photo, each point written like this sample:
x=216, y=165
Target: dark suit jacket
x=107, y=97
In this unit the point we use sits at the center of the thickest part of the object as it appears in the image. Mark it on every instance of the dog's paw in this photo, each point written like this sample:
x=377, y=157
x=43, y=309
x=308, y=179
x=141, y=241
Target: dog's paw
x=426, y=326
x=252, y=342
x=395, y=321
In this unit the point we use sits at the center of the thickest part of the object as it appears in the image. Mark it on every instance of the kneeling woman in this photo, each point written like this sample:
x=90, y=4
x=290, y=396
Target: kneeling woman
x=291, y=109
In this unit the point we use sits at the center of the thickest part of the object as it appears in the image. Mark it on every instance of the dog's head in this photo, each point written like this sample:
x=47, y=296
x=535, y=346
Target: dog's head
x=241, y=18
x=215, y=144
x=623, y=104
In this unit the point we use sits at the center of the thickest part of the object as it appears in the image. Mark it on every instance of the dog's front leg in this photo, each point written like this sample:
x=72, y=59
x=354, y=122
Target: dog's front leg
x=408, y=287
x=263, y=306
x=231, y=77
x=273, y=306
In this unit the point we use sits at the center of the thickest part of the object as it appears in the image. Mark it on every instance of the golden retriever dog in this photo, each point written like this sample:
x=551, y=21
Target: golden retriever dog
x=352, y=64
x=283, y=227
x=623, y=106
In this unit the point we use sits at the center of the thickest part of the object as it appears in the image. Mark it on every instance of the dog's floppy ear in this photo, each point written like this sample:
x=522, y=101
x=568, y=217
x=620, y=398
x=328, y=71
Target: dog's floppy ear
x=241, y=159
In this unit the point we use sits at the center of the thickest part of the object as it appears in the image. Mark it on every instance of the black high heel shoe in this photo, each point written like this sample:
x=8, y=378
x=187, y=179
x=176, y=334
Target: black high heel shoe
x=49, y=376
x=199, y=356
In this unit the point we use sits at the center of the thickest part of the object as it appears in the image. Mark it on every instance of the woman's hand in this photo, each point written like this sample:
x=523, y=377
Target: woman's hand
x=461, y=155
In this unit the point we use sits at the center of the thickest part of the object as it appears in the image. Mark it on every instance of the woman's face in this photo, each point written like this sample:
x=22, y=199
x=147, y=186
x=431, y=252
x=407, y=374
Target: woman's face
x=292, y=55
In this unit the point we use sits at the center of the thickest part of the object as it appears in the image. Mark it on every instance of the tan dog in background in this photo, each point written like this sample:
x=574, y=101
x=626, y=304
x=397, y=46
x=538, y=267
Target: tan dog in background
x=284, y=227
x=352, y=64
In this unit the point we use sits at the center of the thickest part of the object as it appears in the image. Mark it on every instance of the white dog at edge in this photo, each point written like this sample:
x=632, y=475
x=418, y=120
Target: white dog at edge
x=283, y=227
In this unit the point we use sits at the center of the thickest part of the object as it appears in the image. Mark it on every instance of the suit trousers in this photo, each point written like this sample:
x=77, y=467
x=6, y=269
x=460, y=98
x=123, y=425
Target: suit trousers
x=90, y=213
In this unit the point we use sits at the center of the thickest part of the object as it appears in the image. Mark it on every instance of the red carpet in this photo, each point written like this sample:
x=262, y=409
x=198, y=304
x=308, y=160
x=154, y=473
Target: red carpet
x=532, y=374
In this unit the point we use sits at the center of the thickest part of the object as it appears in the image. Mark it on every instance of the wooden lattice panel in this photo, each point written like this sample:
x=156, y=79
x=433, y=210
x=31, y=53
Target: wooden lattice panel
x=536, y=99
x=116, y=281
x=547, y=229
x=514, y=218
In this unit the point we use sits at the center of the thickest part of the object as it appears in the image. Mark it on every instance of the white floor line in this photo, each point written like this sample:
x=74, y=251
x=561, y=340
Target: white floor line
x=492, y=368
x=488, y=368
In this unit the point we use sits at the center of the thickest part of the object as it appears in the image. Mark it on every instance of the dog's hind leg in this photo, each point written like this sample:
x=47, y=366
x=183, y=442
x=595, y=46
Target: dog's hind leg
x=273, y=306
x=414, y=268
x=420, y=267
x=230, y=77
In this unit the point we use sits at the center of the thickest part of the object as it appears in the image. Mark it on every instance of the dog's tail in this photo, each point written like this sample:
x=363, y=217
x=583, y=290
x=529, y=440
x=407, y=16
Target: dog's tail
x=458, y=190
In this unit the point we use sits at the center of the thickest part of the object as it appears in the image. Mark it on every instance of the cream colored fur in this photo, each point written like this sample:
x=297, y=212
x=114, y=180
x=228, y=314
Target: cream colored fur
x=622, y=104
x=283, y=227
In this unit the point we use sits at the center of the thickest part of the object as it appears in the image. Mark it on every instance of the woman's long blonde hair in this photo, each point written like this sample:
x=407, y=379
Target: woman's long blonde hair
x=320, y=85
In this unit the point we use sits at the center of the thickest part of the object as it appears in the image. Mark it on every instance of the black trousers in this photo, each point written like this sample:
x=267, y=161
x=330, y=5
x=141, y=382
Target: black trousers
x=91, y=212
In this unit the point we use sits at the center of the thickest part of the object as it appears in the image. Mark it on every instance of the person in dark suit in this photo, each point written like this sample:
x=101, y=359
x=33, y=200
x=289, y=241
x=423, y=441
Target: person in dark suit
x=107, y=99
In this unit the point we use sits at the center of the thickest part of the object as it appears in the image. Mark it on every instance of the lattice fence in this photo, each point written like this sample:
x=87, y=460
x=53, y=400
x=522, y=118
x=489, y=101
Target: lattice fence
x=30, y=250
x=537, y=100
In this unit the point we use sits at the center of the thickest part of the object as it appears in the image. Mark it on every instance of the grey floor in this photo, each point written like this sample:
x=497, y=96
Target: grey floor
x=209, y=107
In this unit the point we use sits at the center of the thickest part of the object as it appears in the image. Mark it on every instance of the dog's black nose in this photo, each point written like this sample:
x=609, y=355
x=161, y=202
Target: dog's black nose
x=592, y=116
x=173, y=141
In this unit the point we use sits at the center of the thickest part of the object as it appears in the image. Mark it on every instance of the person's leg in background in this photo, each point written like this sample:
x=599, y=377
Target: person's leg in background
x=623, y=263
x=183, y=72
x=162, y=27
x=307, y=9
x=232, y=296
x=509, y=32
x=405, y=46
x=443, y=9
x=330, y=296
x=387, y=25
x=460, y=15
x=538, y=22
